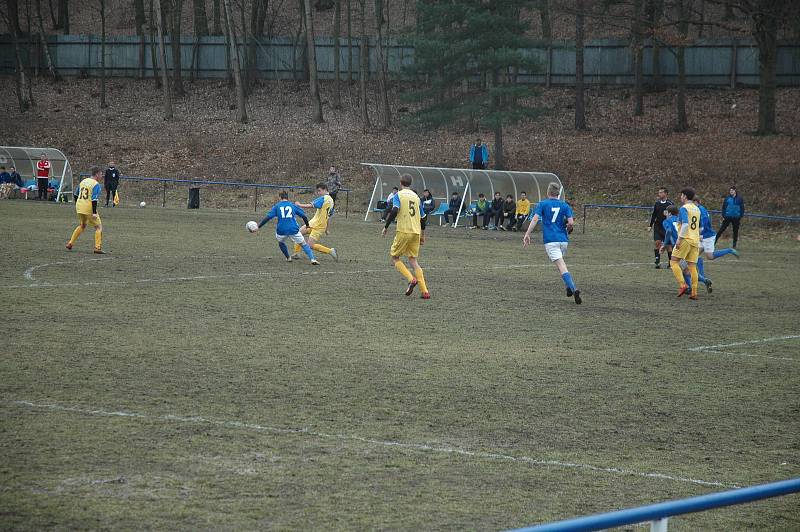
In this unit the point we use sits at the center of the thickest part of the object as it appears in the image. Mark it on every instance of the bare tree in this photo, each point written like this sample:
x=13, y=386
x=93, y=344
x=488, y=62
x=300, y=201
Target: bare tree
x=13, y=17
x=258, y=18
x=638, y=58
x=53, y=21
x=337, y=51
x=681, y=121
x=216, y=15
x=102, y=6
x=580, y=108
x=138, y=8
x=383, y=81
x=349, y=43
x=43, y=41
x=200, y=28
x=21, y=79
x=312, y=64
x=176, y=12
x=162, y=57
x=655, y=12
x=364, y=66
x=241, y=99
x=154, y=55
x=544, y=17
x=63, y=16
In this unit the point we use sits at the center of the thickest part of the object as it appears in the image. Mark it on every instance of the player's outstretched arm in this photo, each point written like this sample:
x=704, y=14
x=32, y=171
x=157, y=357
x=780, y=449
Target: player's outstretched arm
x=303, y=205
x=526, y=240
x=305, y=219
x=263, y=222
x=390, y=219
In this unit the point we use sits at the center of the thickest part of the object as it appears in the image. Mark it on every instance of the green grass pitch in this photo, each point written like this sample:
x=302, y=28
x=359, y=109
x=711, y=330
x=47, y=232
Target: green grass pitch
x=193, y=379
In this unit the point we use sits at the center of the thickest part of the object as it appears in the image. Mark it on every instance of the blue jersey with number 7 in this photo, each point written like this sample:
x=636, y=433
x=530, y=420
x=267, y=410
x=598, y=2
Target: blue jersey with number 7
x=285, y=211
x=553, y=214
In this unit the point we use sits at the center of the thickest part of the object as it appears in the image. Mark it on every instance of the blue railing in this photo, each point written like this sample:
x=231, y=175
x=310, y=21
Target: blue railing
x=645, y=208
x=658, y=514
x=255, y=186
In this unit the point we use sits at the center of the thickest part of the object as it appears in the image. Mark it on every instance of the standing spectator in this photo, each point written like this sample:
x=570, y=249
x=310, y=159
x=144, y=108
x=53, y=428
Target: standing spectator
x=388, y=207
x=43, y=168
x=509, y=210
x=482, y=208
x=111, y=181
x=479, y=155
x=453, y=208
x=732, y=212
x=521, y=213
x=496, y=211
x=428, y=203
x=334, y=183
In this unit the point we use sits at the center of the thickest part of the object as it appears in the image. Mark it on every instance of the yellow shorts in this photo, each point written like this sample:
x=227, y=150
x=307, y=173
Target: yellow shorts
x=688, y=252
x=87, y=219
x=316, y=234
x=405, y=245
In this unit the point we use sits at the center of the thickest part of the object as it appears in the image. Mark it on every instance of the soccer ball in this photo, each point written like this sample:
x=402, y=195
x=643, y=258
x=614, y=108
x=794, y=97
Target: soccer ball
x=252, y=226
x=142, y=204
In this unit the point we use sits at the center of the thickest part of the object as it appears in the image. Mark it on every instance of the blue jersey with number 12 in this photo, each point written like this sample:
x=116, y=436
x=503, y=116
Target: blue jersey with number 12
x=554, y=214
x=285, y=211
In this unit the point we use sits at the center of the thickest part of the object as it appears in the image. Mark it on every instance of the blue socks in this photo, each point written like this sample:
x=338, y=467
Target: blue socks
x=700, y=270
x=284, y=249
x=722, y=252
x=568, y=281
x=307, y=250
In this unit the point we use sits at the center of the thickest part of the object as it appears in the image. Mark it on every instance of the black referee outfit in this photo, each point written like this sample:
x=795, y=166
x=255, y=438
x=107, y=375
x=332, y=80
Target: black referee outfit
x=656, y=223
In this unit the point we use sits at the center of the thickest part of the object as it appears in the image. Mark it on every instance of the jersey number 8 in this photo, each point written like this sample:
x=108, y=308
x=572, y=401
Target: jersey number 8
x=693, y=225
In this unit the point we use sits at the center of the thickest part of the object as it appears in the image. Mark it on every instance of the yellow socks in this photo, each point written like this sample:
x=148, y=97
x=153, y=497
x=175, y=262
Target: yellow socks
x=678, y=273
x=297, y=248
x=75, y=234
x=403, y=270
x=421, y=279
x=321, y=248
x=98, y=239
x=693, y=273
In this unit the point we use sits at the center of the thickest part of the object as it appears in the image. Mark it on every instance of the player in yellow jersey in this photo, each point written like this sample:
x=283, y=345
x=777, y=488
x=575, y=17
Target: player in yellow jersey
x=406, y=210
x=687, y=246
x=86, y=198
x=318, y=225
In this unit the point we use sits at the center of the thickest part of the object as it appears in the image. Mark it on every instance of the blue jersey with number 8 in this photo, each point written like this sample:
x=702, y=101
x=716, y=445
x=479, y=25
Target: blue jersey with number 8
x=554, y=214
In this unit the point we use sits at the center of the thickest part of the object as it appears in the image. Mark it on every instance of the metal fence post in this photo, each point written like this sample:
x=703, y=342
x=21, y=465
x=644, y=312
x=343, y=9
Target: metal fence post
x=346, y=202
x=164, y=196
x=255, y=200
x=659, y=525
x=584, y=220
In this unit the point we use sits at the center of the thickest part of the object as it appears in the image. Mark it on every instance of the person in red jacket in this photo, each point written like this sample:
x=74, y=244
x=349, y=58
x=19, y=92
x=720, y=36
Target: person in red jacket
x=43, y=176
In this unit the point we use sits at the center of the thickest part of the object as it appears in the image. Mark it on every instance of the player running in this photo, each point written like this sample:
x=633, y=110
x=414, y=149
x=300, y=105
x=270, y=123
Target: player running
x=406, y=208
x=287, y=229
x=318, y=225
x=86, y=198
x=557, y=221
x=687, y=246
x=656, y=223
x=707, y=243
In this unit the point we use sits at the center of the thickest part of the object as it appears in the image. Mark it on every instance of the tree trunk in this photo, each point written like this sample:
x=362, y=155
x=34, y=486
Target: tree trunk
x=241, y=102
x=175, y=41
x=43, y=40
x=258, y=17
x=544, y=16
x=766, y=35
x=154, y=56
x=638, y=59
x=383, y=81
x=103, y=103
x=681, y=123
x=216, y=15
x=53, y=21
x=499, y=152
x=655, y=10
x=138, y=7
x=364, y=66
x=349, y=43
x=13, y=17
x=312, y=64
x=199, y=19
x=580, y=110
x=337, y=51
x=162, y=57
x=24, y=94
x=63, y=16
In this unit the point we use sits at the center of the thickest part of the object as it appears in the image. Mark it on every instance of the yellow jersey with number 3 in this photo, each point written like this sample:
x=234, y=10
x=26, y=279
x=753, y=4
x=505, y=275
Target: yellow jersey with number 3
x=408, y=215
x=88, y=192
x=690, y=216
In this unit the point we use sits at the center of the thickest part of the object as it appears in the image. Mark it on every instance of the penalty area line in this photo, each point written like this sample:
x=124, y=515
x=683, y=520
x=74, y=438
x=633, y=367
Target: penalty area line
x=747, y=342
x=420, y=447
x=28, y=274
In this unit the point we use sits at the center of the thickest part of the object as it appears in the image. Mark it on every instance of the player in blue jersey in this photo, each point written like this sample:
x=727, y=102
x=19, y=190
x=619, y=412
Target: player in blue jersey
x=287, y=229
x=557, y=221
x=708, y=238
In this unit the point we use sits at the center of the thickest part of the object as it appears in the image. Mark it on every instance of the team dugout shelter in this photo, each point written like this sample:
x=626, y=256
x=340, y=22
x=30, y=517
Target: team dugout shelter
x=442, y=182
x=24, y=159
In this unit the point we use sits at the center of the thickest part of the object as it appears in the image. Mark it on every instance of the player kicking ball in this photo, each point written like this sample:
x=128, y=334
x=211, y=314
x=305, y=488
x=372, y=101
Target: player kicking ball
x=287, y=229
x=318, y=225
x=557, y=221
x=406, y=210
x=86, y=198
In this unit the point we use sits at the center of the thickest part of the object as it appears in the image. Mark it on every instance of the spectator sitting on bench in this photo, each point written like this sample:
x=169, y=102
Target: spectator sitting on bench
x=509, y=211
x=521, y=213
x=388, y=208
x=15, y=178
x=482, y=208
x=496, y=211
x=428, y=203
x=453, y=208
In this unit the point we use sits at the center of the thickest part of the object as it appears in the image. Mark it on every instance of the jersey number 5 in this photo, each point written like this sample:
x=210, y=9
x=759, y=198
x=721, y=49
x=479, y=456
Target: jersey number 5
x=412, y=209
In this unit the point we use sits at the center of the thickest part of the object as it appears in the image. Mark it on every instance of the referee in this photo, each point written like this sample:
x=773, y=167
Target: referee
x=656, y=220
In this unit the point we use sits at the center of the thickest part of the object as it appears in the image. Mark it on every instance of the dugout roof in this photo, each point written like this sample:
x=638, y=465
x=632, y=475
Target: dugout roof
x=24, y=160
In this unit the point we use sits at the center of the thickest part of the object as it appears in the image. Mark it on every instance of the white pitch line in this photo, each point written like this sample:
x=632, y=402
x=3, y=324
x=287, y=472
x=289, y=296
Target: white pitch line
x=285, y=273
x=748, y=342
x=375, y=442
x=28, y=274
x=716, y=352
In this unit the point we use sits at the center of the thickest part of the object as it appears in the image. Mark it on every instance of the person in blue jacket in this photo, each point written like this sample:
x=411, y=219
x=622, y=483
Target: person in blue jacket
x=479, y=155
x=732, y=212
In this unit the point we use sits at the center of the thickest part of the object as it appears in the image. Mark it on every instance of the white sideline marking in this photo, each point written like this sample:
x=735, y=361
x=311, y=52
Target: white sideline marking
x=382, y=443
x=28, y=274
x=276, y=274
x=748, y=342
x=746, y=355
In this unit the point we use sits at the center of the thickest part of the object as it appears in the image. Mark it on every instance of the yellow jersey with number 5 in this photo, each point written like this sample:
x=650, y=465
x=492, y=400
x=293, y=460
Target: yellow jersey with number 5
x=690, y=216
x=408, y=215
x=88, y=192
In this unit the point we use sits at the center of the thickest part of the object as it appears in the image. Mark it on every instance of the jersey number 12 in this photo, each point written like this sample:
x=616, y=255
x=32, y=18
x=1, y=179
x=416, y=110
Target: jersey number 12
x=286, y=212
